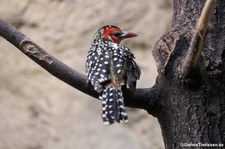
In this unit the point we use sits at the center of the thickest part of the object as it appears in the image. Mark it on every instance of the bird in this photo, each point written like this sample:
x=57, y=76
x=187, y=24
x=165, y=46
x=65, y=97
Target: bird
x=110, y=67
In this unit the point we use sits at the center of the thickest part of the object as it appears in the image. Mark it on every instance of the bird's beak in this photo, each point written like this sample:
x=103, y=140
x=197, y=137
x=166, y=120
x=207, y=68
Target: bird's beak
x=126, y=34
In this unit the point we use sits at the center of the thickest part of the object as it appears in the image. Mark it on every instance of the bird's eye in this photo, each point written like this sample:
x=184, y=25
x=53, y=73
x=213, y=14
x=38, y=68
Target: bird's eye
x=117, y=34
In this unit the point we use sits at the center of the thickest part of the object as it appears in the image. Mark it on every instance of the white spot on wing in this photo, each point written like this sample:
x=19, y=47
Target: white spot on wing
x=106, y=62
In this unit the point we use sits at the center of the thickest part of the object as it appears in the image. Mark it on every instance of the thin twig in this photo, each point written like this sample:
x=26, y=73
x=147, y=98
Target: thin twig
x=142, y=98
x=194, y=52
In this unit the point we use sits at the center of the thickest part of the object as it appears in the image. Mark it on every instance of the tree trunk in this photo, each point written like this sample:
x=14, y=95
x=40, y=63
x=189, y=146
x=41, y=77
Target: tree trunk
x=191, y=110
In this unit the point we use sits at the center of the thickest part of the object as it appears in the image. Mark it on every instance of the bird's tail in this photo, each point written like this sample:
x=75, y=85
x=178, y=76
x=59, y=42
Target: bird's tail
x=113, y=105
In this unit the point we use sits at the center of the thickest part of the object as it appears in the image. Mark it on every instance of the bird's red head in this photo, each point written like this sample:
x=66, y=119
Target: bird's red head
x=114, y=33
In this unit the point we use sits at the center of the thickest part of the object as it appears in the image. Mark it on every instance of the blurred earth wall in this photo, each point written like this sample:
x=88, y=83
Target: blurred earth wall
x=38, y=111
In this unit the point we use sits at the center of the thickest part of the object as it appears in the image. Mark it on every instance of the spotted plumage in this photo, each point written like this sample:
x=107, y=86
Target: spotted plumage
x=109, y=67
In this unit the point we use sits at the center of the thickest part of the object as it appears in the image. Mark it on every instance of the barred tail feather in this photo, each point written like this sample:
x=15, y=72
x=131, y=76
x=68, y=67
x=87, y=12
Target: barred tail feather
x=113, y=106
x=107, y=120
x=123, y=118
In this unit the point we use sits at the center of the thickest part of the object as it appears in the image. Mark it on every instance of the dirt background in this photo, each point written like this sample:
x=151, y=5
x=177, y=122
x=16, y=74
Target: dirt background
x=38, y=111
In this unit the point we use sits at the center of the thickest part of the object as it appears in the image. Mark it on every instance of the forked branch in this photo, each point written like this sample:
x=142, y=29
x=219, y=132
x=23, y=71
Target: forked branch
x=142, y=98
x=194, y=52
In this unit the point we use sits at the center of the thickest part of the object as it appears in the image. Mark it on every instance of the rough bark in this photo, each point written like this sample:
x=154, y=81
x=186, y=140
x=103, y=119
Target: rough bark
x=191, y=107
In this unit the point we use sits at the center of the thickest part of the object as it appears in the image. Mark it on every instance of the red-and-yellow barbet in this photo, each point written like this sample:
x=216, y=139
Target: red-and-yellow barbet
x=110, y=67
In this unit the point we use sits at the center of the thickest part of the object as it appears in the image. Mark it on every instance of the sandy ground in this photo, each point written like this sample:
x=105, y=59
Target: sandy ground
x=38, y=111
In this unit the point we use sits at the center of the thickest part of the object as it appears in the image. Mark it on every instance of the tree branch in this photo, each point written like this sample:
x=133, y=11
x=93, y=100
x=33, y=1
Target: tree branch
x=194, y=52
x=142, y=98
